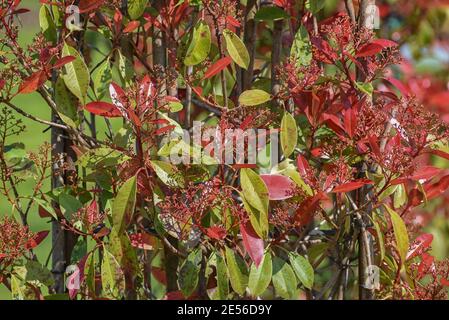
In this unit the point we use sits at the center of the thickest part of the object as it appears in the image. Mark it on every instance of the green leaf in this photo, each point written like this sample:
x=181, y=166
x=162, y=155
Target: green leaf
x=303, y=269
x=136, y=8
x=236, y=49
x=400, y=233
x=37, y=272
x=284, y=279
x=222, y=278
x=89, y=271
x=189, y=273
x=66, y=104
x=400, y=196
x=301, y=49
x=238, y=272
x=270, y=14
x=168, y=173
x=102, y=79
x=17, y=289
x=200, y=46
x=366, y=88
x=289, y=134
x=69, y=204
x=76, y=74
x=260, y=277
x=255, y=193
x=46, y=206
x=124, y=203
x=125, y=69
x=380, y=239
x=112, y=278
x=120, y=247
x=47, y=24
x=175, y=106
x=254, y=97
x=315, y=5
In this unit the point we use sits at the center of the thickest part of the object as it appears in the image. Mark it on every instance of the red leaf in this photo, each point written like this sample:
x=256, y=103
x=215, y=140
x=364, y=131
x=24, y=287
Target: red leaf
x=435, y=190
x=76, y=278
x=253, y=244
x=63, y=61
x=426, y=264
x=350, y=122
x=308, y=207
x=33, y=83
x=44, y=213
x=103, y=109
x=233, y=21
x=374, y=47
x=118, y=95
x=164, y=130
x=217, y=67
x=351, y=186
x=333, y=122
x=439, y=153
x=133, y=25
x=89, y=5
x=374, y=145
x=159, y=274
x=143, y=241
x=444, y=282
x=421, y=243
x=198, y=91
x=279, y=187
x=425, y=173
x=303, y=165
x=415, y=198
x=216, y=232
x=328, y=54
x=399, y=85
x=385, y=43
x=38, y=238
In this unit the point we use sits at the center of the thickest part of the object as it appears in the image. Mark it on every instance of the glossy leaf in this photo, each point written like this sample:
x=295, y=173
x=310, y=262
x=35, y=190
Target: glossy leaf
x=303, y=269
x=260, y=276
x=189, y=273
x=136, y=8
x=47, y=24
x=168, y=173
x=254, y=97
x=66, y=104
x=270, y=14
x=289, y=134
x=217, y=67
x=236, y=49
x=102, y=79
x=351, y=186
x=124, y=203
x=253, y=244
x=284, y=279
x=255, y=193
x=238, y=272
x=103, y=109
x=200, y=45
x=112, y=279
x=76, y=74
x=400, y=234
x=279, y=187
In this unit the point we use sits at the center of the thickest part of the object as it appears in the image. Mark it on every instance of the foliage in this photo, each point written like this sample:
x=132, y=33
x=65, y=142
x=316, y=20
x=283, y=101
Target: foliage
x=360, y=137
